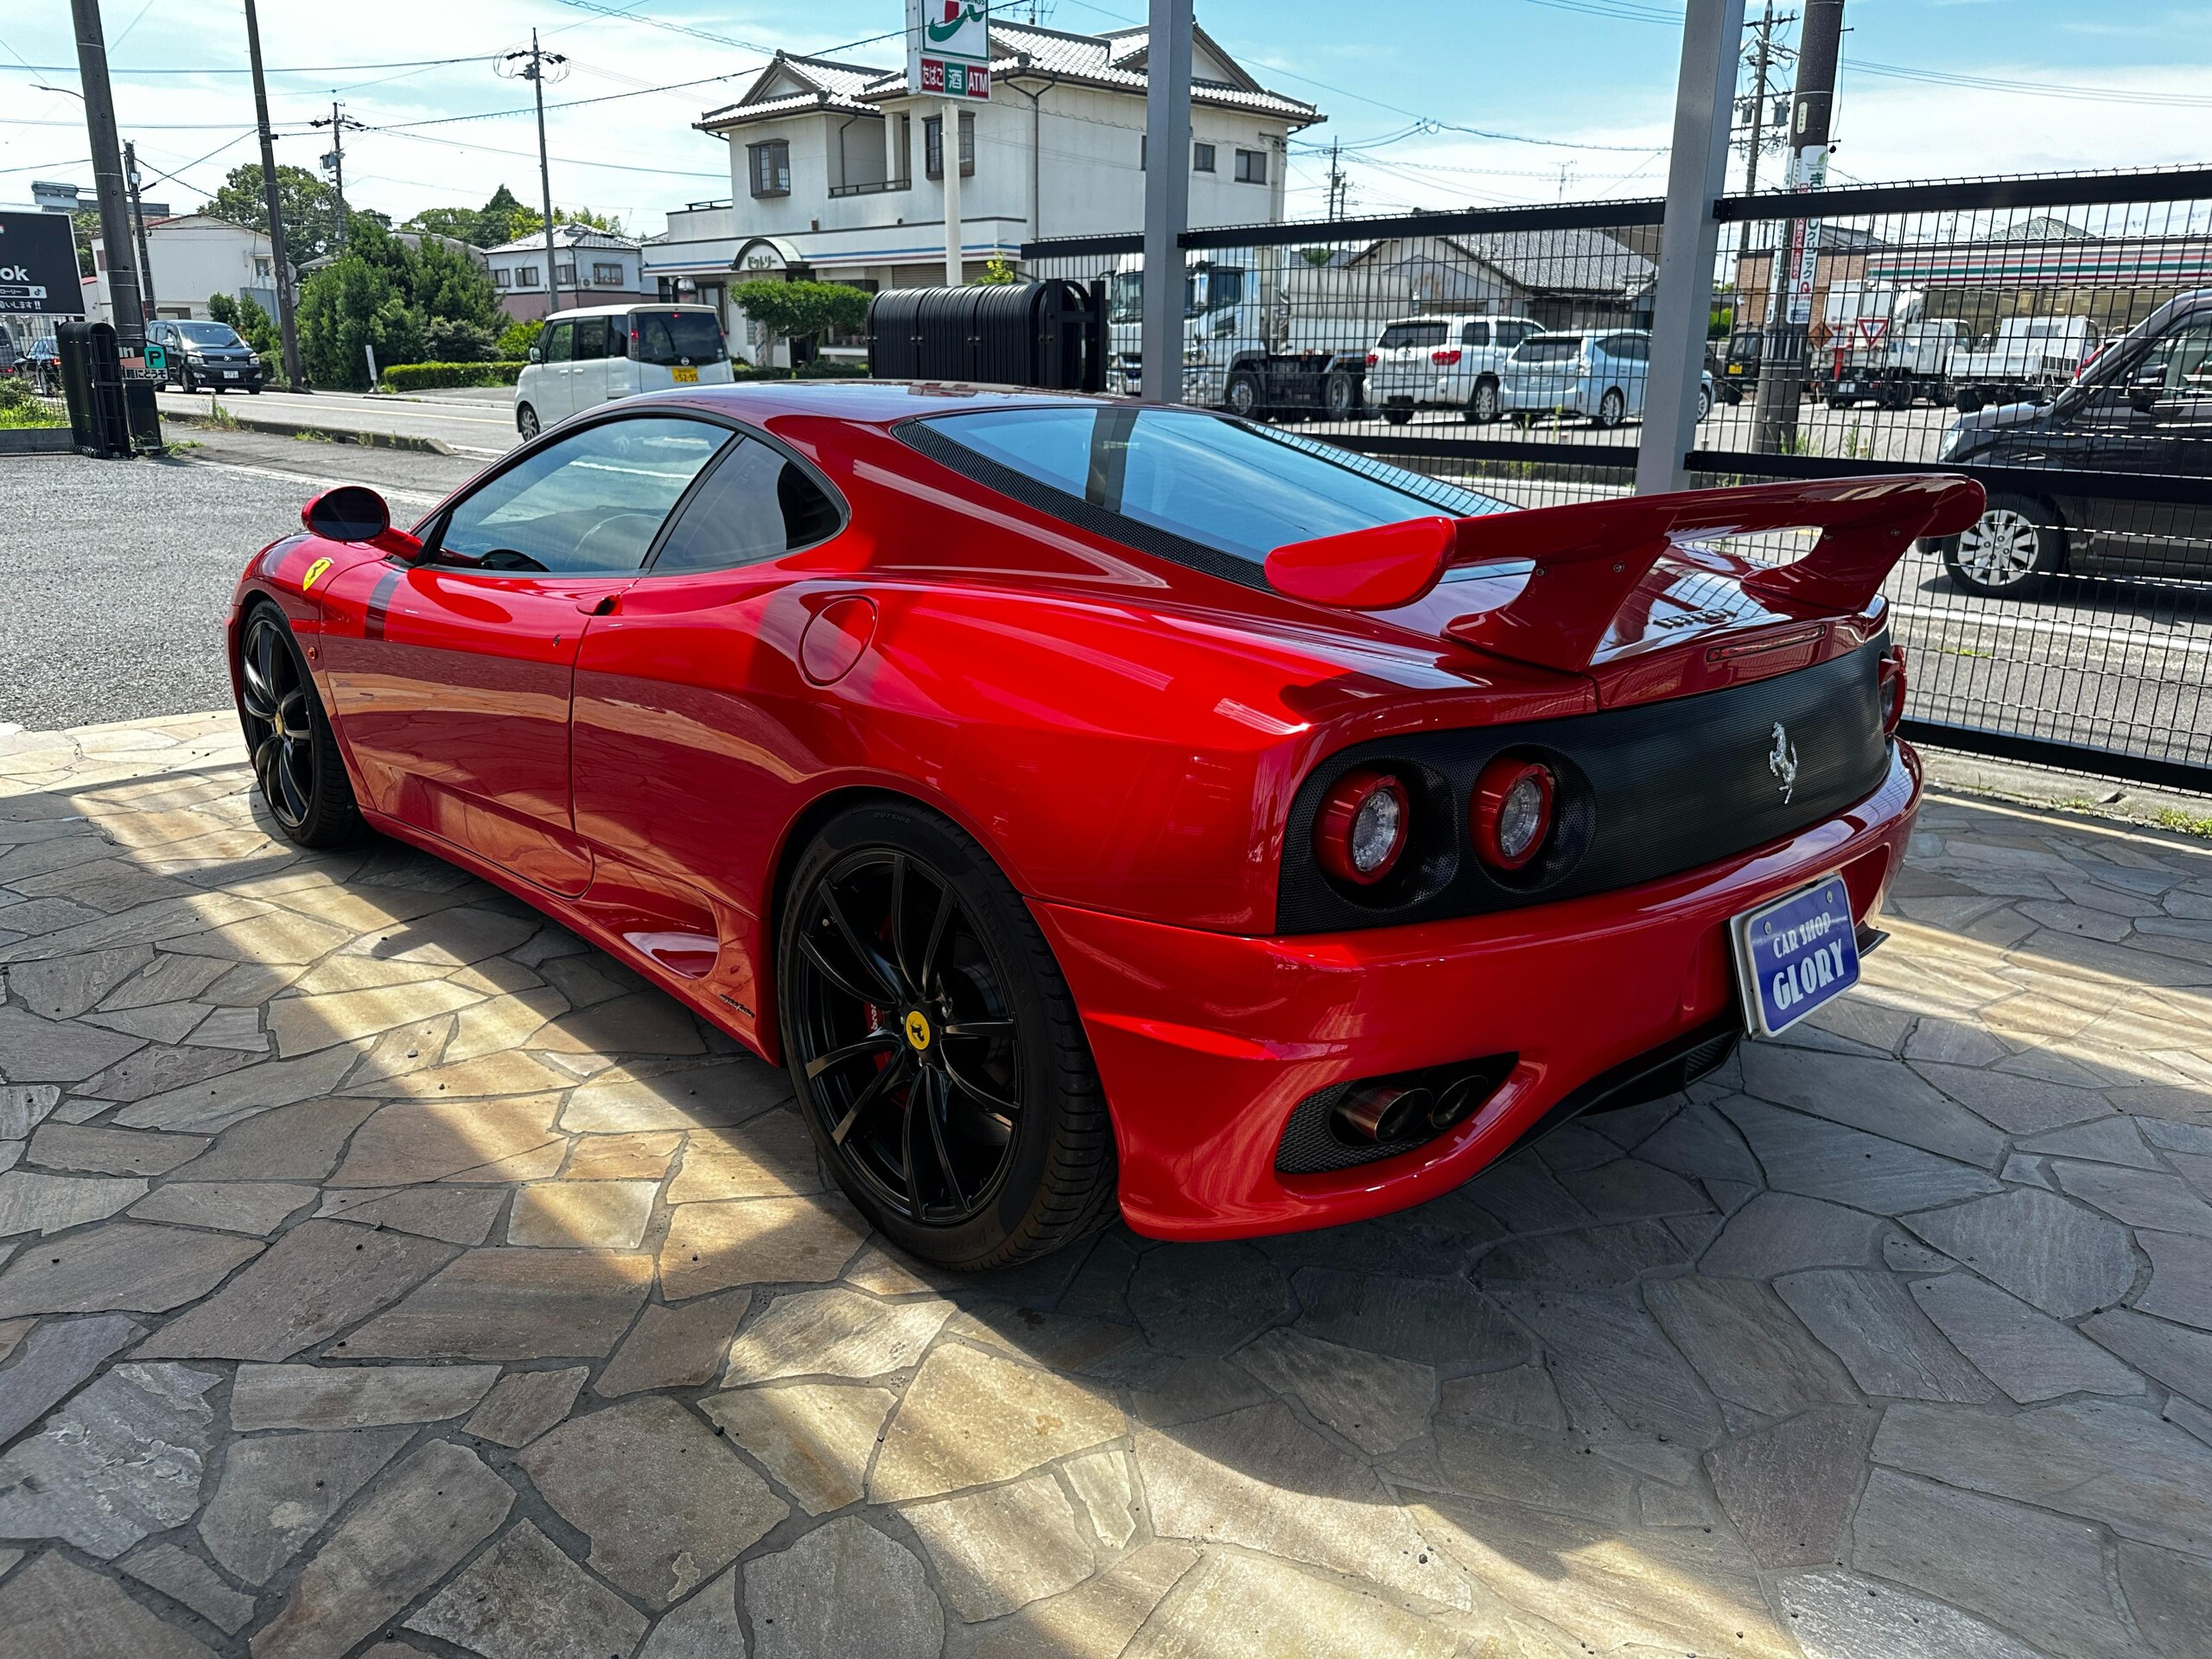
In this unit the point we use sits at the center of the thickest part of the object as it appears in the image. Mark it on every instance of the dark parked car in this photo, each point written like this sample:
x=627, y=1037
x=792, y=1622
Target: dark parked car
x=207, y=355
x=2143, y=406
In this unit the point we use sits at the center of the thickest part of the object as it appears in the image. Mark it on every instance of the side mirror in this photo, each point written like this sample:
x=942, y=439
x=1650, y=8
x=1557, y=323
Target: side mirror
x=533, y=353
x=351, y=512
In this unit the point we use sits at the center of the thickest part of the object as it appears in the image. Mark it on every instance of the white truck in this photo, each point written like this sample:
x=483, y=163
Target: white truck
x=1881, y=347
x=2027, y=361
x=1263, y=339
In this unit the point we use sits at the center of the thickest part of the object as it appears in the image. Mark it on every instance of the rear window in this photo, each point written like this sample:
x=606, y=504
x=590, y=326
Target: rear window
x=1512, y=334
x=1240, y=490
x=1404, y=336
x=668, y=337
x=1549, y=348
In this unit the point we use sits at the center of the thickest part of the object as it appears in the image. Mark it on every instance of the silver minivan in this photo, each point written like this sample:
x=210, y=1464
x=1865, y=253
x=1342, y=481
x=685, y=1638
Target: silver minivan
x=584, y=358
x=1442, y=362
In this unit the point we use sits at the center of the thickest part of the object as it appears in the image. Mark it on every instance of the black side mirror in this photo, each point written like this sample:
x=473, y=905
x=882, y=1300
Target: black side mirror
x=351, y=512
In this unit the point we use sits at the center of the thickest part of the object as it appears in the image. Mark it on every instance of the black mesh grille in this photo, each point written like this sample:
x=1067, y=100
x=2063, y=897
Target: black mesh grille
x=1310, y=1144
x=1644, y=793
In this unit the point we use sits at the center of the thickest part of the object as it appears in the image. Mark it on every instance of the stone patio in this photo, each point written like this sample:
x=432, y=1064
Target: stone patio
x=386, y=1272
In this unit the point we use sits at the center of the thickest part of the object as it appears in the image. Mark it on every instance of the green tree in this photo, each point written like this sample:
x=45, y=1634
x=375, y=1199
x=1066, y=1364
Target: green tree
x=515, y=343
x=310, y=208
x=999, y=271
x=459, y=306
x=528, y=221
x=495, y=219
x=460, y=223
x=252, y=324
x=803, y=310
x=362, y=298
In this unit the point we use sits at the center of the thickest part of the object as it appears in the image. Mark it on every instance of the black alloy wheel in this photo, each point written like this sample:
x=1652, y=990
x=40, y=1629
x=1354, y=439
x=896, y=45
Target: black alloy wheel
x=934, y=1047
x=296, y=758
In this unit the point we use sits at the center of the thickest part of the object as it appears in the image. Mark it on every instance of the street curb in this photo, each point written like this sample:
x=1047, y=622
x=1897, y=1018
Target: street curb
x=280, y=426
x=36, y=441
x=2111, y=798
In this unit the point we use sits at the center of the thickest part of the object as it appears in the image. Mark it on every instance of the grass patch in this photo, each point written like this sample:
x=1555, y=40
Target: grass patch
x=2187, y=823
x=308, y=435
x=18, y=419
x=220, y=418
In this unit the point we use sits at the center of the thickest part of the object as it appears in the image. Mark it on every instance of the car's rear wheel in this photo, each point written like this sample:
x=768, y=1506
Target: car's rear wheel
x=934, y=1048
x=1483, y=408
x=526, y=420
x=2008, y=551
x=1704, y=402
x=295, y=755
x=1340, y=396
x=1612, y=408
x=1397, y=416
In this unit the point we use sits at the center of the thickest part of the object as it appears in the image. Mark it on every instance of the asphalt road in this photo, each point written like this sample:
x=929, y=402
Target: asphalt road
x=476, y=423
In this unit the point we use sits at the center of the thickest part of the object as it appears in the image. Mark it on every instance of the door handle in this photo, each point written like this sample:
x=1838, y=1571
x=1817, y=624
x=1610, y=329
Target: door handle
x=603, y=606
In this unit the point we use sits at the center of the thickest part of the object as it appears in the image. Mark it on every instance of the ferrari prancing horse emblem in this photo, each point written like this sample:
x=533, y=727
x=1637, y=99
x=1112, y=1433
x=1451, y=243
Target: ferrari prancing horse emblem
x=918, y=1031
x=1782, y=761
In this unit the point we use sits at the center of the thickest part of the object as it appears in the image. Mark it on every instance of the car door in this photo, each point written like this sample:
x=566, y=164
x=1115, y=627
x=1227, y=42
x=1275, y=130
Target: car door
x=557, y=347
x=451, y=676
x=2153, y=416
x=693, y=722
x=588, y=386
x=1473, y=362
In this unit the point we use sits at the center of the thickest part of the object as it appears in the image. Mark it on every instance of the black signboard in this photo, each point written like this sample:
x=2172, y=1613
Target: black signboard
x=38, y=265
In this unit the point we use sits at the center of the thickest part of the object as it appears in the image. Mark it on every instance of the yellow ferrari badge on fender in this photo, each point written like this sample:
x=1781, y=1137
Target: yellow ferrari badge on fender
x=314, y=574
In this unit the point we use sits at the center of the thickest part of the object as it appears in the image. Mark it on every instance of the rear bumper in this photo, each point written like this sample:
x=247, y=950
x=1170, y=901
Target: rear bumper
x=1205, y=1042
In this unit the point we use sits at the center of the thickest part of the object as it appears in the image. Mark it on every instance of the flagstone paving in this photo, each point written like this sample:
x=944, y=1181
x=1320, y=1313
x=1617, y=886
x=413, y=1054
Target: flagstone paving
x=385, y=1271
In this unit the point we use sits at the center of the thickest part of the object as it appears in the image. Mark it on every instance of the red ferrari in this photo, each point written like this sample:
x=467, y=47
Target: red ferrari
x=1096, y=805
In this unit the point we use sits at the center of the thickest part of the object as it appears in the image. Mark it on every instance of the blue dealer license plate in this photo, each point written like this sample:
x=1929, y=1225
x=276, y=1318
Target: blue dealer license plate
x=1796, y=954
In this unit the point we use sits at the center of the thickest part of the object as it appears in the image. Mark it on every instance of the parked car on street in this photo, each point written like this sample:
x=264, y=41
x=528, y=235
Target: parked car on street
x=204, y=356
x=1444, y=362
x=2144, y=406
x=586, y=356
x=1601, y=375
x=1111, y=808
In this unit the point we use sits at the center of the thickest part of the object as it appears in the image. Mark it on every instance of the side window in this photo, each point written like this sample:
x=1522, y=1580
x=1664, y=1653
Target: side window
x=2185, y=357
x=1475, y=333
x=558, y=338
x=589, y=504
x=755, y=504
x=591, y=339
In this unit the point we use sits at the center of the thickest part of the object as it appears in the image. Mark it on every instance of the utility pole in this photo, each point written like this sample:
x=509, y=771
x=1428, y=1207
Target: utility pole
x=1796, y=254
x=1763, y=63
x=1167, y=196
x=948, y=150
x=138, y=219
x=280, y=267
x=116, y=243
x=532, y=67
x=336, y=160
x=1337, y=180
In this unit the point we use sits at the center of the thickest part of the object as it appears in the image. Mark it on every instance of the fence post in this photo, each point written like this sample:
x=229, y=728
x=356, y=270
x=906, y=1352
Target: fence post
x=1705, y=98
x=1168, y=195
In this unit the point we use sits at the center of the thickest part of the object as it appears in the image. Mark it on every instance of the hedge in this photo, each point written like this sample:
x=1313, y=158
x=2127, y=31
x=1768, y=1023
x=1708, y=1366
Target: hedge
x=423, y=377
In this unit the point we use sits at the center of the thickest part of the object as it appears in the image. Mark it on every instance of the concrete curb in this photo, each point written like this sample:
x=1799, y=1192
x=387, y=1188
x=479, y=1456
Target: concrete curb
x=283, y=427
x=36, y=441
x=2043, y=787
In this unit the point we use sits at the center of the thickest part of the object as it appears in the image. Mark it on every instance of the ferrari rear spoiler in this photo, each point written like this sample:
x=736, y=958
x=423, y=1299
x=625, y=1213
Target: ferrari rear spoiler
x=1589, y=557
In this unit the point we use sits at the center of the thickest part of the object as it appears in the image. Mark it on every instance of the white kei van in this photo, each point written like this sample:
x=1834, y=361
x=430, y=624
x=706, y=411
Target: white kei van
x=585, y=357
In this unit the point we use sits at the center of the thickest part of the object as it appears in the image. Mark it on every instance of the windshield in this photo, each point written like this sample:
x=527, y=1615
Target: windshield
x=677, y=337
x=1207, y=287
x=207, y=334
x=1404, y=336
x=1239, y=489
x=1550, y=348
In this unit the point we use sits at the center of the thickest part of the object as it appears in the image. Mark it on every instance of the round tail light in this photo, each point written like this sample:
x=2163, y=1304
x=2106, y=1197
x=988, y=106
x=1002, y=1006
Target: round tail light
x=1513, y=810
x=1363, y=825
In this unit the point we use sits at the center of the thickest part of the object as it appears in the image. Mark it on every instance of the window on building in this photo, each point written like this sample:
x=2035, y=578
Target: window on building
x=261, y=269
x=1251, y=167
x=526, y=276
x=565, y=274
x=502, y=277
x=771, y=165
x=607, y=276
x=933, y=145
x=902, y=152
x=1201, y=158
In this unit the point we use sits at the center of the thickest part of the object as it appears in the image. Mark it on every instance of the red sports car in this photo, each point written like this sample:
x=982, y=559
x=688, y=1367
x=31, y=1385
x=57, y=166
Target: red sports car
x=1100, y=805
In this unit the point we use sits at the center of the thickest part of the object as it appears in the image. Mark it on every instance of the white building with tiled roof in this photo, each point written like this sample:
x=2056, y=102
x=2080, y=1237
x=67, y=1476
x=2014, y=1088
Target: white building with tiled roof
x=837, y=169
x=590, y=267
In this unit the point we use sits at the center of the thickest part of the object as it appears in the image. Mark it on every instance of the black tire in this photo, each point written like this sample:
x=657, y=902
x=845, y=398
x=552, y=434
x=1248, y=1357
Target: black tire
x=982, y=1187
x=288, y=737
x=1245, y=397
x=1482, y=407
x=526, y=422
x=1835, y=402
x=2018, y=542
x=1704, y=402
x=1732, y=396
x=1397, y=416
x=1340, y=396
x=1612, y=408
x=253, y=391
x=184, y=382
x=1967, y=402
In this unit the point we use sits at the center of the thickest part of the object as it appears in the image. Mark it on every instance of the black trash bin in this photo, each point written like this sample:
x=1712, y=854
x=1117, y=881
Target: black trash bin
x=109, y=414
x=1049, y=335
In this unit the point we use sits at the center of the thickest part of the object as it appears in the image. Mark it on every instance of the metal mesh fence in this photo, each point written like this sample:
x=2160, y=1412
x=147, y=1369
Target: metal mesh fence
x=2051, y=337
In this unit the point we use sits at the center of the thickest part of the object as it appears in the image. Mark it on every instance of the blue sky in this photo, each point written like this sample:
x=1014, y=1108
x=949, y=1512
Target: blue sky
x=1592, y=77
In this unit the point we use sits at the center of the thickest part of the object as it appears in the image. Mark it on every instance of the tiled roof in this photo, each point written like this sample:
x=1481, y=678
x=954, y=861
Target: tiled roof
x=566, y=235
x=1102, y=61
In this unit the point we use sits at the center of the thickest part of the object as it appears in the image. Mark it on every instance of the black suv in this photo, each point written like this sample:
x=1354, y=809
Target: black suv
x=207, y=356
x=2144, y=406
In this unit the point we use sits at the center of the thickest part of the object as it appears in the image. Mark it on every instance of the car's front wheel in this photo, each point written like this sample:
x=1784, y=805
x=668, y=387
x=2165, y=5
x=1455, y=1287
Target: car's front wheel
x=288, y=737
x=1397, y=416
x=1704, y=402
x=1243, y=395
x=2008, y=551
x=934, y=1046
x=1612, y=408
x=526, y=420
x=1484, y=408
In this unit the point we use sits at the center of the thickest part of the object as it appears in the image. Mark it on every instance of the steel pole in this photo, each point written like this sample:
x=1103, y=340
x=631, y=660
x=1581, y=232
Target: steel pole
x=1167, y=196
x=1797, y=248
x=116, y=243
x=1681, y=305
x=138, y=222
x=338, y=167
x=948, y=150
x=280, y=267
x=545, y=176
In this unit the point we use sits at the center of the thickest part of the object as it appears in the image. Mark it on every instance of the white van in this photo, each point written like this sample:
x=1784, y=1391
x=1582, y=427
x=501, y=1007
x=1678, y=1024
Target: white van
x=585, y=357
